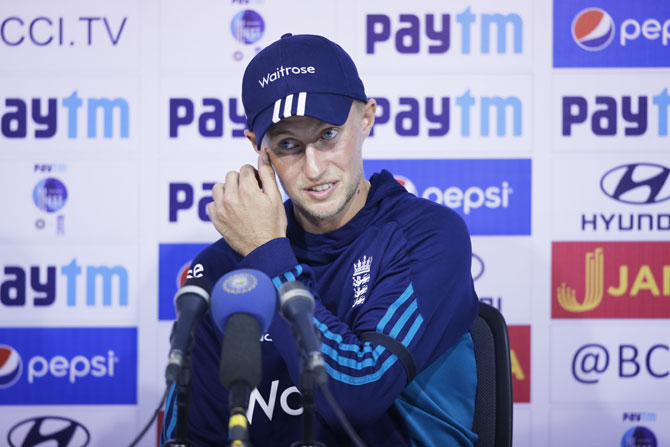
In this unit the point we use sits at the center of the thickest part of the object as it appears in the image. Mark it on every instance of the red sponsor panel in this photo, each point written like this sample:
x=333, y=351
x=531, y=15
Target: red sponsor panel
x=159, y=427
x=610, y=280
x=519, y=340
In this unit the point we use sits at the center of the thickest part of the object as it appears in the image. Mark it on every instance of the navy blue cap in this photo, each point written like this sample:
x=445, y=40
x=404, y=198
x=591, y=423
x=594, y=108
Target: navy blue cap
x=302, y=75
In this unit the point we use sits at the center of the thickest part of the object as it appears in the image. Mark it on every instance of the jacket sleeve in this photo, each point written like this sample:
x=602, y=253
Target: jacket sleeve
x=423, y=297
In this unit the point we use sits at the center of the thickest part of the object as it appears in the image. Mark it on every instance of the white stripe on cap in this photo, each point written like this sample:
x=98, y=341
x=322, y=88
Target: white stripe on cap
x=287, y=106
x=275, y=112
x=302, y=99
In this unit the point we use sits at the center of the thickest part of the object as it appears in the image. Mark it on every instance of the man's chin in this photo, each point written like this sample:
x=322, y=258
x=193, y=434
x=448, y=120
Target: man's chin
x=320, y=212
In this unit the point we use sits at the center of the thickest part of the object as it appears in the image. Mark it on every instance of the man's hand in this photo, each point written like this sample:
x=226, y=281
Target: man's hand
x=246, y=215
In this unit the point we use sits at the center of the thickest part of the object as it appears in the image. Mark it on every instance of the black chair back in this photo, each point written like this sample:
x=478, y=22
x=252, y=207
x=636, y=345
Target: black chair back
x=493, y=401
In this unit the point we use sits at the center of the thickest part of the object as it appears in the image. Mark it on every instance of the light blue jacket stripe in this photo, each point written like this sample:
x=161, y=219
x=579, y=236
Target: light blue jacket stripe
x=346, y=361
x=173, y=419
x=393, y=307
x=277, y=282
x=298, y=270
x=338, y=339
x=403, y=319
x=366, y=349
x=342, y=377
x=289, y=276
x=412, y=331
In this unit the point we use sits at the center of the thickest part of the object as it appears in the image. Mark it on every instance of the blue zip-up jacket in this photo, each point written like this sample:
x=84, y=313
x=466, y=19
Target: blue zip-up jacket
x=401, y=267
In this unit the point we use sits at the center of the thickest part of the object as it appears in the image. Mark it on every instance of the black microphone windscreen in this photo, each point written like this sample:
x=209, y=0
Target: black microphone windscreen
x=241, y=352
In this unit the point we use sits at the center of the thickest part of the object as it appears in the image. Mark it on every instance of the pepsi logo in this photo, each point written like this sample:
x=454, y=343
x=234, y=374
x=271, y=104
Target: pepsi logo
x=49, y=430
x=477, y=267
x=10, y=366
x=406, y=183
x=593, y=29
x=637, y=183
x=182, y=274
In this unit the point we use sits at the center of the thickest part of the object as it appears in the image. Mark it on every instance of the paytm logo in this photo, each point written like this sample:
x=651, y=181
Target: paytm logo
x=597, y=33
x=36, y=285
x=210, y=114
x=484, y=115
x=69, y=366
x=39, y=117
x=182, y=199
x=603, y=114
x=174, y=266
x=412, y=34
x=492, y=196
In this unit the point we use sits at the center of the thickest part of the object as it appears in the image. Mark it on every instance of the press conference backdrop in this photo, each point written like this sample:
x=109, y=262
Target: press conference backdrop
x=545, y=125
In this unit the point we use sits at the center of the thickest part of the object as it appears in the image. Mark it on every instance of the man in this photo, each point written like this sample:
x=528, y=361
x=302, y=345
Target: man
x=377, y=259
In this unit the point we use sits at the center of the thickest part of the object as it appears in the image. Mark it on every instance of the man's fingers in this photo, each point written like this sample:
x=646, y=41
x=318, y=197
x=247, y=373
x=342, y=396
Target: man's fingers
x=217, y=191
x=232, y=179
x=267, y=175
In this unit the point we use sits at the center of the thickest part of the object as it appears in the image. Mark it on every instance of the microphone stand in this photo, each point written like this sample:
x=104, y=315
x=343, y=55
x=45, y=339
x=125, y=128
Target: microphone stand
x=308, y=405
x=183, y=390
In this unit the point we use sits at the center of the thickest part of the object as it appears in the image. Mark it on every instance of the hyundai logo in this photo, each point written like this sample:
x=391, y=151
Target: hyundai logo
x=477, y=268
x=54, y=431
x=637, y=183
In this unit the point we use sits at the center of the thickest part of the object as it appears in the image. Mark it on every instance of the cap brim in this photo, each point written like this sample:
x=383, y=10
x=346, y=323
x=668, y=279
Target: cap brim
x=327, y=107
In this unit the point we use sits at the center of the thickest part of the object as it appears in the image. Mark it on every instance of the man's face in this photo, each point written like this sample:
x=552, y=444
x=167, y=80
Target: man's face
x=321, y=166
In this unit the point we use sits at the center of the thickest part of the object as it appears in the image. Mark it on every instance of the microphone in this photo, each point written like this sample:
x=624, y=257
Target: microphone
x=243, y=305
x=296, y=305
x=191, y=303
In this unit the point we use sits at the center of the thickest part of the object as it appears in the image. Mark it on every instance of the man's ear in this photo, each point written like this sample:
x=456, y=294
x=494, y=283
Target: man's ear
x=252, y=139
x=369, y=116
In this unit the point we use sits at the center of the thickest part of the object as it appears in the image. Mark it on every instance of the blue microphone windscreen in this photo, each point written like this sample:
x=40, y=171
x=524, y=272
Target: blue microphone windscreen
x=245, y=291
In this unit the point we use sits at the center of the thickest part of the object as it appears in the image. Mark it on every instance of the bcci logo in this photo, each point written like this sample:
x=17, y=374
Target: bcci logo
x=240, y=283
x=247, y=27
x=593, y=29
x=10, y=366
x=50, y=195
x=639, y=437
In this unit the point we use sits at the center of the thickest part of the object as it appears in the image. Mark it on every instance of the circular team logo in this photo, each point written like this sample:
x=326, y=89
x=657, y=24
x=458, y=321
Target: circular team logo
x=247, y=27
x=239, y=283
x=10, y=366
x=639, y=437
x=50, y=195
x=593, y=29
x=406, y=183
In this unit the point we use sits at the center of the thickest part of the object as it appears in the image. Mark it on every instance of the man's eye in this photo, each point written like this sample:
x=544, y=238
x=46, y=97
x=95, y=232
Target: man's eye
x=329, y=134
x=286, y=144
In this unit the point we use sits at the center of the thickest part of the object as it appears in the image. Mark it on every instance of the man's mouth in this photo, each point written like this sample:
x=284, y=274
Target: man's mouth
x=323, y=187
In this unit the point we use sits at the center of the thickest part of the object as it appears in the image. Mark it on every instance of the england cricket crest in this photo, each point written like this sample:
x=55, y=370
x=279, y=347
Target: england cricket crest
x=361, y=279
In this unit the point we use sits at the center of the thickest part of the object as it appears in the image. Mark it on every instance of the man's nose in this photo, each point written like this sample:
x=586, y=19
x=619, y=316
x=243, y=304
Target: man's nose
x=316, y=162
